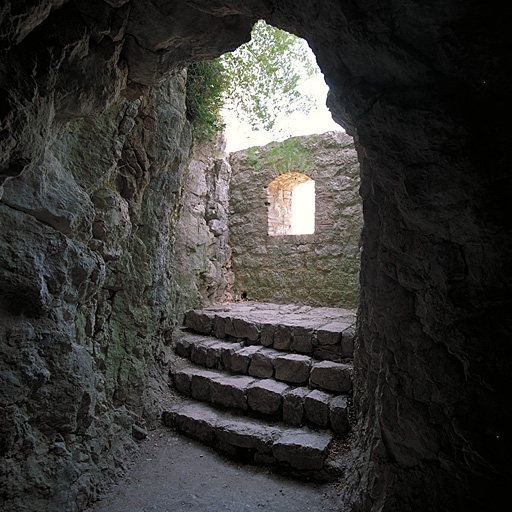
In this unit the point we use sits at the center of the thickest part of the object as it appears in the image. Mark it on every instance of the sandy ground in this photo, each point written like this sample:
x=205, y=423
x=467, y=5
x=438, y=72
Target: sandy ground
x=173, y=473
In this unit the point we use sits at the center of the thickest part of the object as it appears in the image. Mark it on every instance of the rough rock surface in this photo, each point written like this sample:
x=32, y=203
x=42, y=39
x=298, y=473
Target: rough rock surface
x=106, y=238
x=91, y=99
x=320, y=269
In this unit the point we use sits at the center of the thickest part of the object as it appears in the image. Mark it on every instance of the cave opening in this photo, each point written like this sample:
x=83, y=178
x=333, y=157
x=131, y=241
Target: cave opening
x=94, y=96
x=313, y=212
x=276, y=90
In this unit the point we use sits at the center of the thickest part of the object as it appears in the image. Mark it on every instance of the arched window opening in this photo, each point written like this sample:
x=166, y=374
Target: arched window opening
x=291, y=205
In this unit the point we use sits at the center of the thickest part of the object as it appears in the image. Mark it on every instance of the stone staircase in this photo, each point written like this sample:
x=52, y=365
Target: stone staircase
x=266, y=383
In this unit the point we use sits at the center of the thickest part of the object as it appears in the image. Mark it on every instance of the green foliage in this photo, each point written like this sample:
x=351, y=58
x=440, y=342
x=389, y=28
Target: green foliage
x=253, y=158
x=264, y=75
x=206, y=82
x=259, y=82
x=284, y=156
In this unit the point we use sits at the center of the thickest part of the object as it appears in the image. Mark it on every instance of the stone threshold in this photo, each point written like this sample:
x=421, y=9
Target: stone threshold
x=324, y=333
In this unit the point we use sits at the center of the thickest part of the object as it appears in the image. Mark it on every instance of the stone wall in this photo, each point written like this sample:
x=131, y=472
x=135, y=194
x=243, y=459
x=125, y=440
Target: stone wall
x=321, y=269
x=105, y=240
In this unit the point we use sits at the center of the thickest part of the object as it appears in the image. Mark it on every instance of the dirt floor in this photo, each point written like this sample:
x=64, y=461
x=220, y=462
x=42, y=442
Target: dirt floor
x=173, y=473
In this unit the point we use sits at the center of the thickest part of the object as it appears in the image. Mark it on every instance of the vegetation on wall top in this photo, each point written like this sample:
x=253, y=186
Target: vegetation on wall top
x=285, y=156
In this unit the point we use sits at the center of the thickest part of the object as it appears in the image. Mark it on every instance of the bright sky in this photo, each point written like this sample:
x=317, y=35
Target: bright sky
x=303, y=209
x=240, y=136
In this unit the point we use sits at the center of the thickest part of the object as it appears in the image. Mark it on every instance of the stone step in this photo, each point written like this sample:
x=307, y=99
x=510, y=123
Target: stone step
x=265, y=363
x=277, y=400
x=299, y=451
x=323, y=333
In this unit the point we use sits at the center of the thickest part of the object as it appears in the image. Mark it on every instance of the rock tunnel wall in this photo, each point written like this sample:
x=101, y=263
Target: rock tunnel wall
x=113, y=229
x=319, y=269
x=91, y=172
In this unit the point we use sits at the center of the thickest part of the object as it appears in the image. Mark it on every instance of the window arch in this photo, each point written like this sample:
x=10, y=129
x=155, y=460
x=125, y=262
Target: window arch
x=291, y=205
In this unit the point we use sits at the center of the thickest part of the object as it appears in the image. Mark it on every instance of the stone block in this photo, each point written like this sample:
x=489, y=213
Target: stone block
x=245, y=434
x=330, y=334
x=197, y=422
x=302, y=449
x=227, y=448
x=264, y=459
x=199, y=321
x=293, y=368
x=262, y=363
x=347, y=342
x=266, y=396
x=200, y=385
x=231, y=391
x=302, y=340
x=247, y=330
x=282, y=337
x=316, y=407
x=241, y=358
x=229, y=329
x=328, y=352
x=267, y=335
x=331, y=376
x=338, y=415
x=181, y=379
x=199, y=350
x=226, y=353
x=219, y=326
x=293, y=406
x=183, y=347
x=214, y=355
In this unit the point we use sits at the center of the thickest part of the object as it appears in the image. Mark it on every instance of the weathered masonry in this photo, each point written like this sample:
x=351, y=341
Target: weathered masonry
x=272, y=263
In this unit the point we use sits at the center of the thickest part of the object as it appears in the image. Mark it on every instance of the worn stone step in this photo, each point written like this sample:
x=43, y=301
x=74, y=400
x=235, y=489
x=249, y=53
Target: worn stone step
x=279, y=400
x=323, y=333
x=265, y=363
x=301, y=451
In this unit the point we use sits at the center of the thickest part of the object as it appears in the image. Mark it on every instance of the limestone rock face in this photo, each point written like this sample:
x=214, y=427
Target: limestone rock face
x=94, y=148
x=101, y=250
x=201, y=249
x=319, y=269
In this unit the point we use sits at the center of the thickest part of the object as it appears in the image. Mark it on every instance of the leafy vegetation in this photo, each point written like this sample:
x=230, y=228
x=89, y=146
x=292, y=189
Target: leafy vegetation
x=259, y=82
x=206, y=83
x=285, y=156
x=253, y=158
x=289, y=155
x=264, y=76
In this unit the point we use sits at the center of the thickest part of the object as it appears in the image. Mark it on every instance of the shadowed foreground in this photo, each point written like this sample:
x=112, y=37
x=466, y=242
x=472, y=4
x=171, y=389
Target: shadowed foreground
x=173, y=473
